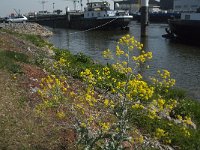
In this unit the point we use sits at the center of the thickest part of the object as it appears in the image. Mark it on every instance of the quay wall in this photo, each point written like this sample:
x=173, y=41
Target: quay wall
x=55, y=21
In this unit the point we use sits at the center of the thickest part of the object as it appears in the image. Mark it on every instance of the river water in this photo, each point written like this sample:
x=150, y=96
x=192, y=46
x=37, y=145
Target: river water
x=182, y=60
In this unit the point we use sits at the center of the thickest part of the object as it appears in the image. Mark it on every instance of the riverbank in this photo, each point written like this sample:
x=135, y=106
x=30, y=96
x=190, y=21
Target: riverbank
x=167, y=54
x=20, y=126
x=24, y=61
x=27, y=28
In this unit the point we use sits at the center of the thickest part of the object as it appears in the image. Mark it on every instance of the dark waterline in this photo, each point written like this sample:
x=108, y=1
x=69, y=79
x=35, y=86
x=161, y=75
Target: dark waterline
x=182, y=60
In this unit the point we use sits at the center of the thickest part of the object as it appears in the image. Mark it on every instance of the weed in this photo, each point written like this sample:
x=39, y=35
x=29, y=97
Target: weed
x=9, y=59
x=35, y=39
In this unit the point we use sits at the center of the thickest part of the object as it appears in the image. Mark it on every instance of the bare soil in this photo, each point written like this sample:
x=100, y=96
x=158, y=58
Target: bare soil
x=20, y=126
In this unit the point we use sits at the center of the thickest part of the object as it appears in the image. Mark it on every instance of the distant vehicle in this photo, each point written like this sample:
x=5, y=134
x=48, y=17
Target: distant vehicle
x=1, y=20
x=17, y=19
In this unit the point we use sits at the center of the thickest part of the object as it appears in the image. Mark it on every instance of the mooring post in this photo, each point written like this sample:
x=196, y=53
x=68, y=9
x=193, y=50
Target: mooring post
x=144, y=16
x=68, y=17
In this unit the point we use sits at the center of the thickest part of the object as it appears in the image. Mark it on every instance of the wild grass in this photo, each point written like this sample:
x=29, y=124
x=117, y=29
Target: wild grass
x=186, y=107
x=25, y=133
x=35, y=39
x=20, y=126
x=80, y=62
x=10, y=60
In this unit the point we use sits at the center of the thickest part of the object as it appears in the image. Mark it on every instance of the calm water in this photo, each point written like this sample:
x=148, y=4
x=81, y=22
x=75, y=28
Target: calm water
x=183, y=61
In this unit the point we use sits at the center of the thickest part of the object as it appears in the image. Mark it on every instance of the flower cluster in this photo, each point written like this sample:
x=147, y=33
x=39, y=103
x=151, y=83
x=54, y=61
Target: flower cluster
x=100, y=116
x=53, y=91
x=139, y=89
x=52, y=84
x=107, y=54
x=142, y=57
x=88, y=76
x=163, y=81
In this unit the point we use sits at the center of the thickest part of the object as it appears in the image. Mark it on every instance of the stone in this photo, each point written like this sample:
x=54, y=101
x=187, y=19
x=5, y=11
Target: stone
x=27, y=28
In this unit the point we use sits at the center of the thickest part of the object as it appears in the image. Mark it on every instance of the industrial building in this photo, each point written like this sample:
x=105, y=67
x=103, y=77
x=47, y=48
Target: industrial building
x=186, y=5
x=134, y=5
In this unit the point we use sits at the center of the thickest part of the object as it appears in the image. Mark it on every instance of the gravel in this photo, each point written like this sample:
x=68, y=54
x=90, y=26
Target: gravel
x=27, y=28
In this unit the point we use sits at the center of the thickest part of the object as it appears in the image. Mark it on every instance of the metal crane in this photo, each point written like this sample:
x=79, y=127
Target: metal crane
x=43, y=2
x=17, y=12
x=75, y=2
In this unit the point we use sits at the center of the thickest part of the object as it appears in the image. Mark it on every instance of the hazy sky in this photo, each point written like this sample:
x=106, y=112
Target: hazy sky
x=7, y=6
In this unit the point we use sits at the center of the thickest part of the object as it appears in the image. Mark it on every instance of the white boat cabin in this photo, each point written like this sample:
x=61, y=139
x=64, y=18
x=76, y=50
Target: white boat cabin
x=101, y=9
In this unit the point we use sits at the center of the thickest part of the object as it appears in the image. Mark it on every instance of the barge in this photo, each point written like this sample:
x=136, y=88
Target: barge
x=187, y=28
x=97, y=15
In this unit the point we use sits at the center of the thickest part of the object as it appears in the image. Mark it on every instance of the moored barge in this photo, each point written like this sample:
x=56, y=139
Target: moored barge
x=186, y=28
x=97, y=15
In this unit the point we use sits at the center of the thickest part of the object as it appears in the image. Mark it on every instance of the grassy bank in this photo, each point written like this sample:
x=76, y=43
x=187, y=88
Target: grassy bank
x=25, y=129
x=186, y=106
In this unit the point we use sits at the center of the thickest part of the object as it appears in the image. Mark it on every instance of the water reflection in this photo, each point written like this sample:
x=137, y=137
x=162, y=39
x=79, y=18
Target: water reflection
x=183, y=61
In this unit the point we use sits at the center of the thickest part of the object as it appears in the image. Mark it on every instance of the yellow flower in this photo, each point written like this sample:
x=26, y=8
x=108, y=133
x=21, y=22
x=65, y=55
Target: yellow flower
x=39, y=92
x=49, y=86
x=130, y=47
x=107, y=54
x=62, y=60
x=53, y=76
x=179, y=117
x=90, y=119
x=60, y=114
x=64, y=89
x=188, y=120
x=128, y=36
x=137, y=106
x=168, y=141
x=88, y=97
x=106, y=102
x=160, y=133
x=72, y=94
x=129, y=70
x=161, y=102
x=186, y=132
x=83, y=125
x=119, y=51
x=141, y=139
x=124, y=63
x=152, y=114
x=105, y=126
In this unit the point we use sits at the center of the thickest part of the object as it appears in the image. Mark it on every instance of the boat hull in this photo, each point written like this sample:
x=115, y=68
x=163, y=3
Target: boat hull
x=79, y=22
x=103, y=24
x=185, y=29
x=54, y=21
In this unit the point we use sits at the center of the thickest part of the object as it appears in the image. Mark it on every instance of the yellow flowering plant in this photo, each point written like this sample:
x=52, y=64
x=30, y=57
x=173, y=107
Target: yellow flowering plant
x=131, y=92
x=99, y=109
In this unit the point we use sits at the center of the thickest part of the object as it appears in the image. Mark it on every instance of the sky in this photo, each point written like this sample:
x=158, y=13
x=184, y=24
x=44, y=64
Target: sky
x=7, y=6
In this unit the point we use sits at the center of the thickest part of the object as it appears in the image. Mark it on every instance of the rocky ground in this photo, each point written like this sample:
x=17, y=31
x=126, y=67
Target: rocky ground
x=27, y=28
